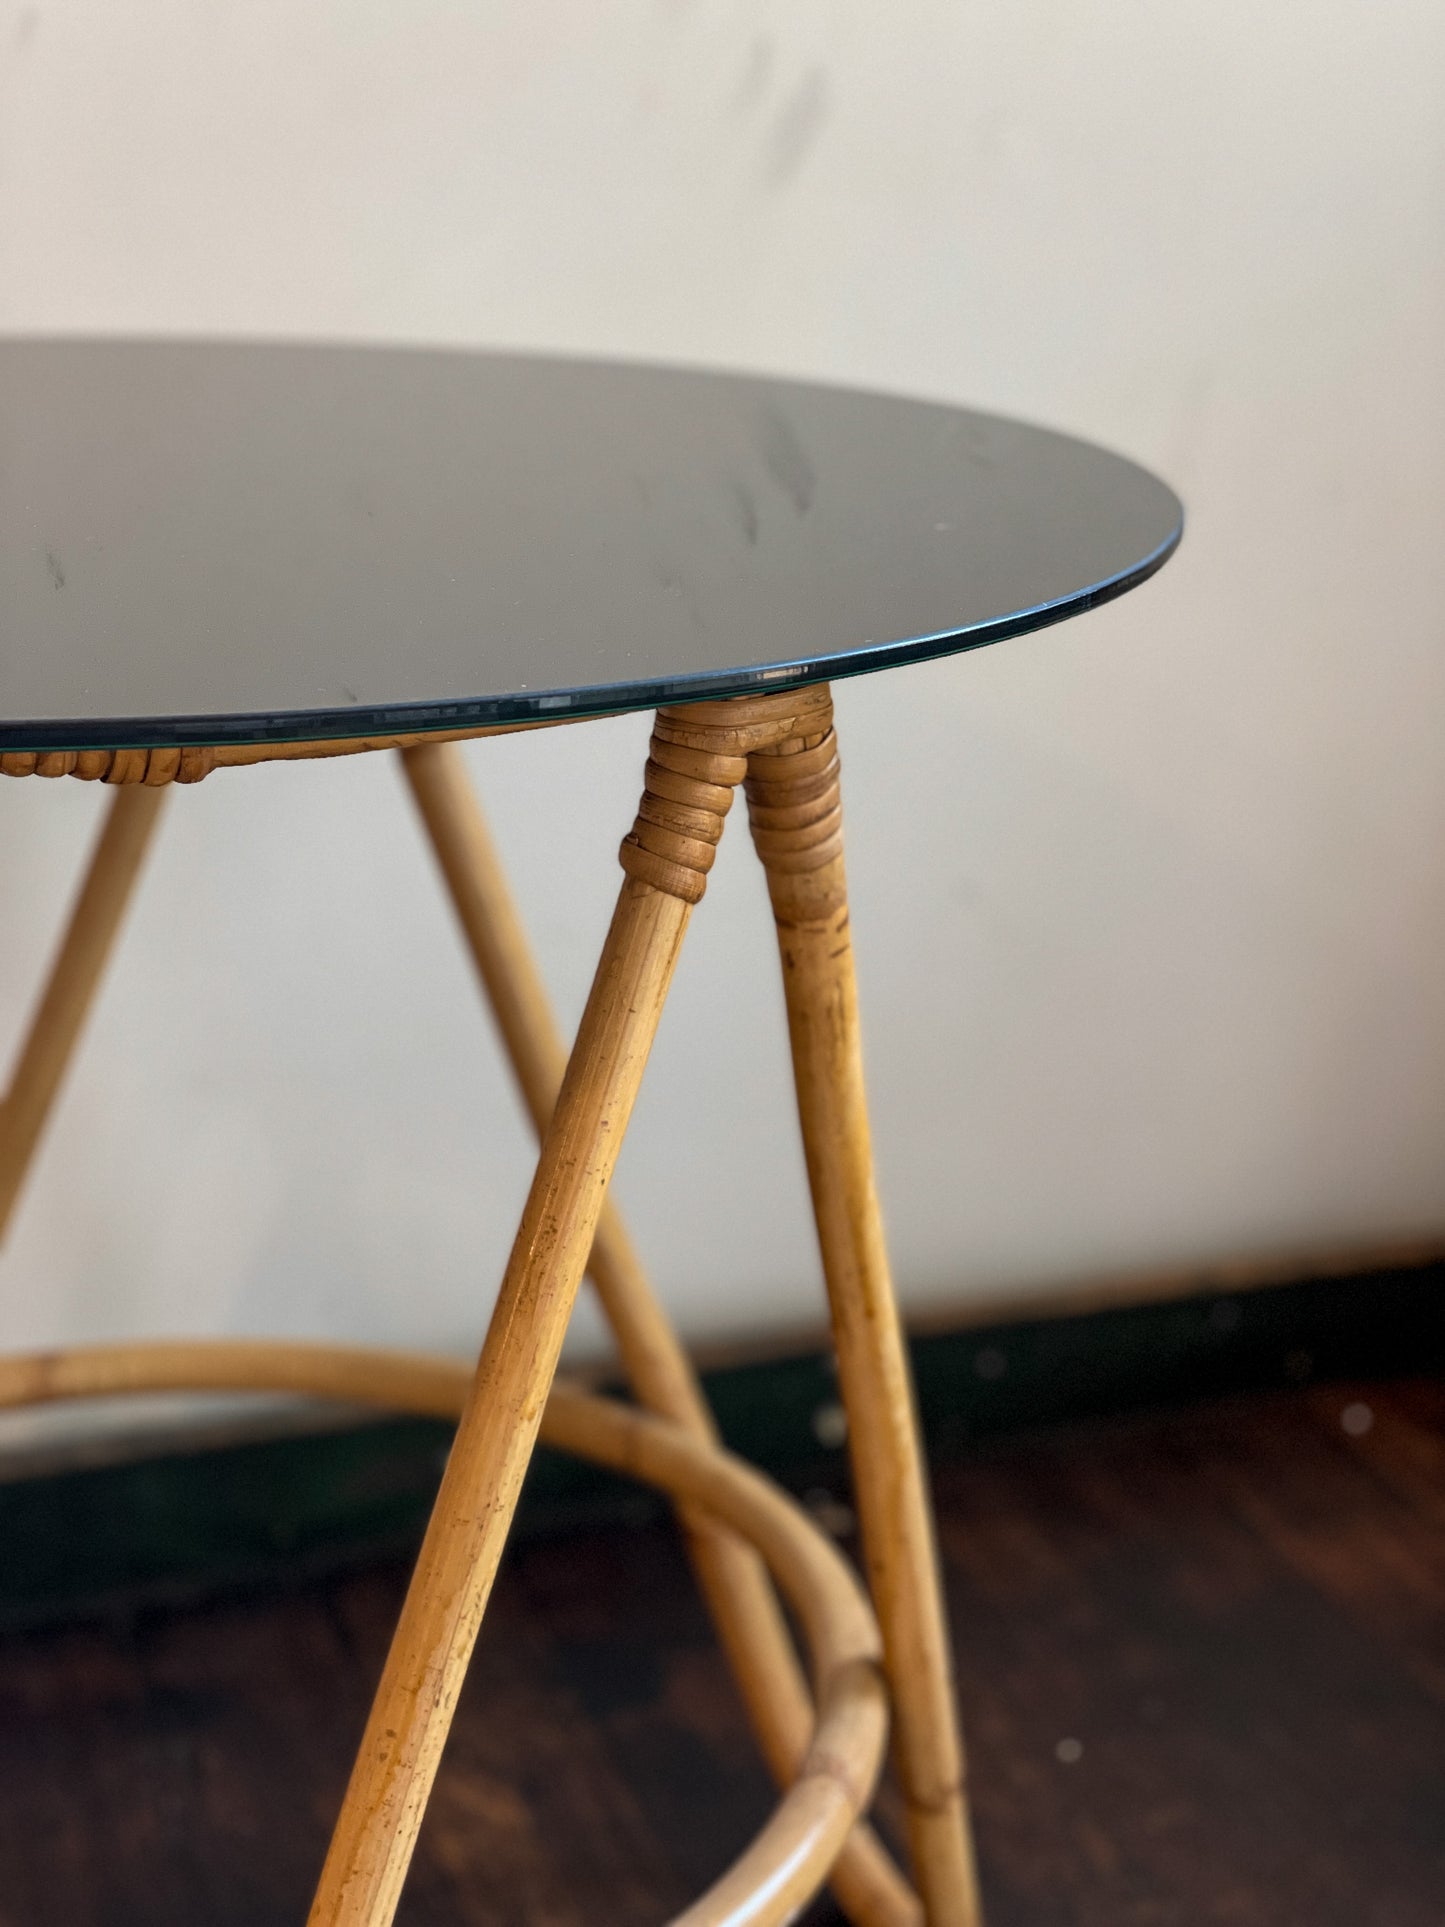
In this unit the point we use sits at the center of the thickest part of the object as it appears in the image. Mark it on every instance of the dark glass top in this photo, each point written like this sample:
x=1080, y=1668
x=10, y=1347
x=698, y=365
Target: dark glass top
x=241, y=543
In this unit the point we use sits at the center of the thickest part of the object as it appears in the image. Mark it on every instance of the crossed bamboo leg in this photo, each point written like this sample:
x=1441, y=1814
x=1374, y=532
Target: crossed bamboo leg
x=795, y=808
x=733, y=1579
x=796, y=812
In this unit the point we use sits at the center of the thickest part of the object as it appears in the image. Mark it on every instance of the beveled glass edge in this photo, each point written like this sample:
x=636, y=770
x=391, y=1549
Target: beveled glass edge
x=552, y=706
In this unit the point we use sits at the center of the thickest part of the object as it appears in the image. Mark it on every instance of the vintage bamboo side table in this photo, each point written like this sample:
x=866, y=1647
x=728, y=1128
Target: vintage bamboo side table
x=219, y=555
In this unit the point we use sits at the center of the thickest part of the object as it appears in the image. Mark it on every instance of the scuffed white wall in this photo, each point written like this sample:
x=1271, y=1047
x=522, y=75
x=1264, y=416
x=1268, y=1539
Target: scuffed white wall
x=1150, y=908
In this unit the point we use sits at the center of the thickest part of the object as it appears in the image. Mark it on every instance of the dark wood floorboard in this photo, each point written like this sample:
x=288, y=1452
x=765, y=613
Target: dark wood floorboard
x=1203, y=1675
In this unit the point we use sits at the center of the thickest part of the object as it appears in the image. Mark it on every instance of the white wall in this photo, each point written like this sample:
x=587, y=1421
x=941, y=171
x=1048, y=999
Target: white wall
x=1150, y=908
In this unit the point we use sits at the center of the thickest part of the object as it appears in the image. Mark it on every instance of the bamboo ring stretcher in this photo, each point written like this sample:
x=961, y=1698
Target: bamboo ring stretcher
x=789, y=1859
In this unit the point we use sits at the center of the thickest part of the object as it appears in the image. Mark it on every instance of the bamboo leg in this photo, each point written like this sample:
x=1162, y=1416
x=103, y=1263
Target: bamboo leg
x=74, y=979
x=391, y=1780
x=732, y=1576
x=667, y=856
x=796, y=813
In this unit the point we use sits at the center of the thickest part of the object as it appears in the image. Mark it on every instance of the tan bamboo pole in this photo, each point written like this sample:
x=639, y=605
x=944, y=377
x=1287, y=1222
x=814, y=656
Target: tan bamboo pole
x=687, y=794
x=74, y=978
x=796, y=812
x=401, y=1748
x=734, y=1582
x=789, y=1859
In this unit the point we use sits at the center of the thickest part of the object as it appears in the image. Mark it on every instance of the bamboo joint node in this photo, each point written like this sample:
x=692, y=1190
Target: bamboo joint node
x=698, y=758
x=795, y=811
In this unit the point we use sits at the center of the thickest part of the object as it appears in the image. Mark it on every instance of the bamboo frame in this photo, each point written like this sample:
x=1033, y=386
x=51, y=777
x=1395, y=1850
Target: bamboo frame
x=734, y=1581
x=795, y=808
x=783, y=744
x=789, y=1859
x=754, y=1635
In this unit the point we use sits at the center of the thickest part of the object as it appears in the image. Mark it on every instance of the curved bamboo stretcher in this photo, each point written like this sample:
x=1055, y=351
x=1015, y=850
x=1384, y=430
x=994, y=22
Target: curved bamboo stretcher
x=789, y=1859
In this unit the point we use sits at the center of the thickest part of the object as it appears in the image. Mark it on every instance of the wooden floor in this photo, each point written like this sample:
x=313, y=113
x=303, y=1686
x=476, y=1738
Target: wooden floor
x=1203, y=1662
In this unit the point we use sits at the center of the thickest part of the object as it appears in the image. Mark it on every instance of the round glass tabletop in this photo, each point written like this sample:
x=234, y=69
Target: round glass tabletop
x=218, y=543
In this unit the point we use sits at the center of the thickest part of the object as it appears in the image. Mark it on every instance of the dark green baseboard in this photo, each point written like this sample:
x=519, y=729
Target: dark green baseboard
x=184, y=1524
